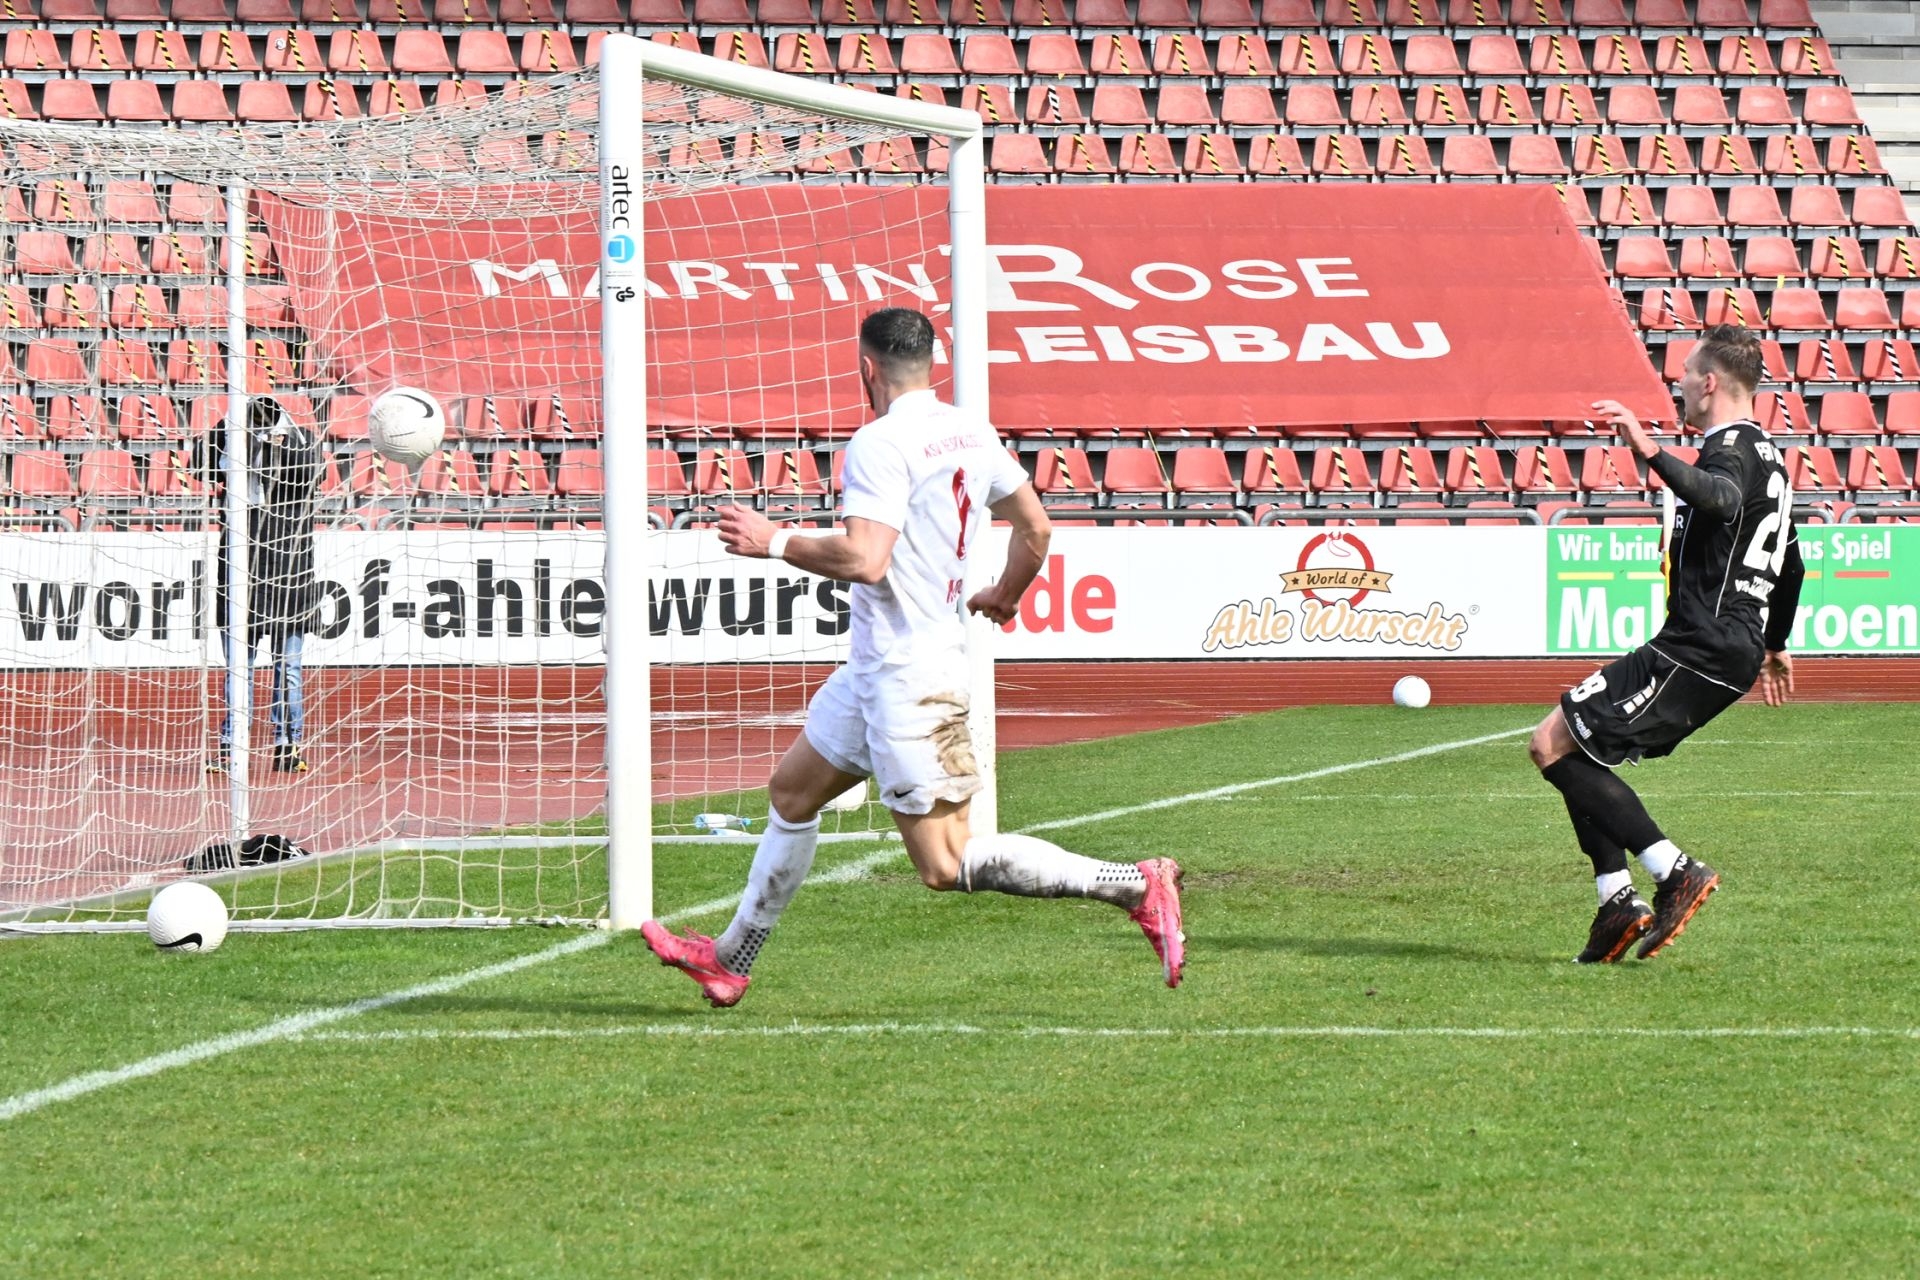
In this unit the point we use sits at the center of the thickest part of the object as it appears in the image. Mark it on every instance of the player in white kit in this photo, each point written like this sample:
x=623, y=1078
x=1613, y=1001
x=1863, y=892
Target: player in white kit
x=919, y=482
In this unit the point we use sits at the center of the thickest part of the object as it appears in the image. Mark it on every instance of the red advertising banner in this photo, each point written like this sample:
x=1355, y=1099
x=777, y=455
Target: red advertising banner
x=1130, y=306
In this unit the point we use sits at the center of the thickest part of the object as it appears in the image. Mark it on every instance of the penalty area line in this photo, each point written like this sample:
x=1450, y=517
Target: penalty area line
x=705, y=1031
x=301, y=1025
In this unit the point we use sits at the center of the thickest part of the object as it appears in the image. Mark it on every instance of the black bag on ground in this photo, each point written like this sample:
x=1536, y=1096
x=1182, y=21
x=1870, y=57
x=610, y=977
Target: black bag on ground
x=255, y=851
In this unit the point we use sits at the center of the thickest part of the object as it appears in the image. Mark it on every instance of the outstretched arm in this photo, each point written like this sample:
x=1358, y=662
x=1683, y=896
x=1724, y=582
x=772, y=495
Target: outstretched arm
x=862, y=554
x=1710, y=489
x=1026, y=554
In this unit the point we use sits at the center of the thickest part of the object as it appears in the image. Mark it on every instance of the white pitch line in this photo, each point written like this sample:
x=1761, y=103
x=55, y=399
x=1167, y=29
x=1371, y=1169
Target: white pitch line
x=301, y=1023
x=704, y=1031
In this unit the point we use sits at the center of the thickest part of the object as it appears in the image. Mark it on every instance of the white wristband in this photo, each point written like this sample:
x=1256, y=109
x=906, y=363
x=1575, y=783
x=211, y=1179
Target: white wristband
x=777, y=544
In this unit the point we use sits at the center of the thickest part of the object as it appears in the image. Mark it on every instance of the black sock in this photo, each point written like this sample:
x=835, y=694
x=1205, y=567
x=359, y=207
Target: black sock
x=1606, y=855
x=1608, y=803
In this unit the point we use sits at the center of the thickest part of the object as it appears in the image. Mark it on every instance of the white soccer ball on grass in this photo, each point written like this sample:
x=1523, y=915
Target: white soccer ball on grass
x=406, y=425
x=187, y=917
x=1411, y=691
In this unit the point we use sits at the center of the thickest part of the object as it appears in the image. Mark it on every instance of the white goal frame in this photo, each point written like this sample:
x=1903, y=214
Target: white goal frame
x=624, y=62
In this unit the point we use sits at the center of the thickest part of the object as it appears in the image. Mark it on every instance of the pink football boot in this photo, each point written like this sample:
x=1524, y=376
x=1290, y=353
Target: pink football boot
x=692, y=954
x=1158, y=915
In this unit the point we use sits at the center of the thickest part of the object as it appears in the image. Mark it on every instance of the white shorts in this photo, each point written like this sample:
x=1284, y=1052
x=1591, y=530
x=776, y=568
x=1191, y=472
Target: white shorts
x=905, y=727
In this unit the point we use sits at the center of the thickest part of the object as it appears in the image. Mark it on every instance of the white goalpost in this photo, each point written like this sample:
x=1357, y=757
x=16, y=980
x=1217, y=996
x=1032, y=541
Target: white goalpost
x=635, y=291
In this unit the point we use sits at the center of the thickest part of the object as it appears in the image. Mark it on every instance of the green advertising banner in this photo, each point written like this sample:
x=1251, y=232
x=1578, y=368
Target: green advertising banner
x=1605, y=593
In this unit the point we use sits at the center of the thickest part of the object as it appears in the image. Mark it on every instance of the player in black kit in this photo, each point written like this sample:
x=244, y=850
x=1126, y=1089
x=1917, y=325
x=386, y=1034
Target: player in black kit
x=1734, y=572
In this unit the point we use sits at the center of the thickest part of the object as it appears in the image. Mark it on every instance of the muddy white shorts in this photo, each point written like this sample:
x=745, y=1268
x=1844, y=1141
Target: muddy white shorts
x=905, y=727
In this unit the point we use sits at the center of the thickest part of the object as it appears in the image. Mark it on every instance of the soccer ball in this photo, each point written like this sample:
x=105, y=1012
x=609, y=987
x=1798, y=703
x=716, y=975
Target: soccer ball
x=187, y=916
x=1411, y=691
x=406, y=425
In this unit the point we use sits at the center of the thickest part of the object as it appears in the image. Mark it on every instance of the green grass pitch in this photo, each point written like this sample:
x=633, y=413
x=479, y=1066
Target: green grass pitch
x=1381, y=1064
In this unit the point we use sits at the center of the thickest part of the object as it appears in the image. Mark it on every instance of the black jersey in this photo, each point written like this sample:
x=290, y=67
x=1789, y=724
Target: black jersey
x=1732, y=534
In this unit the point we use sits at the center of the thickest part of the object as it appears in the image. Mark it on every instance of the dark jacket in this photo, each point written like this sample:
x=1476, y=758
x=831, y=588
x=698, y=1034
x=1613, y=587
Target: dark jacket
x=286, y=473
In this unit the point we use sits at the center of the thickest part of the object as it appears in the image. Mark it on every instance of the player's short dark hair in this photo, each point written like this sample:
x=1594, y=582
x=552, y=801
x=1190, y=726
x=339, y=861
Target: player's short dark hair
x=1733, y=352
x=899, y=338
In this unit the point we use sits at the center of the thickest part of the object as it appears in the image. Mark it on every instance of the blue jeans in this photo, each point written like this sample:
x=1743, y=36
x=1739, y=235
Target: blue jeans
x=288, y=710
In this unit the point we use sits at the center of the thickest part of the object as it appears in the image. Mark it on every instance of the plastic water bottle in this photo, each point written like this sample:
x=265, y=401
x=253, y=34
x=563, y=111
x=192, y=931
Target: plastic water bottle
x=716, y=823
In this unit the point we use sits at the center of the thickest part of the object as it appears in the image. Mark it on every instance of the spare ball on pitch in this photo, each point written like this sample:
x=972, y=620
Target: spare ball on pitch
x=1411, y=691
x=406, y=425
x=187, y=917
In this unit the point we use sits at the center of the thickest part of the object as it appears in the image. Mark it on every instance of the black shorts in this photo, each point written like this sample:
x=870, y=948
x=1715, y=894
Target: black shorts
x=1640, y=706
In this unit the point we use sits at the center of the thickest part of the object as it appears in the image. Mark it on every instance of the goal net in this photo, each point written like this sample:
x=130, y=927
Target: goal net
x=449, y=670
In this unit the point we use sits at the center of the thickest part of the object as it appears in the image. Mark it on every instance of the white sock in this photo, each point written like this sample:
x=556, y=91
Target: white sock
x=780, y=864
x=1611, y=883
x=1658, y=858
x=1029, y=867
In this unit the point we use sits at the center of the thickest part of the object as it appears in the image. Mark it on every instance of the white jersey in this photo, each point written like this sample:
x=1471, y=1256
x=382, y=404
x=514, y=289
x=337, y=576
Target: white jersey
x=930, y=471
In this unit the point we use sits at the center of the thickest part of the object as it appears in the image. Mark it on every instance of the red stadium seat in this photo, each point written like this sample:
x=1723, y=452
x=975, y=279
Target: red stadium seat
x=1201, y=471
x=1270, y=470
x=518, y=475
x=1310, y=55
x=1903, y=407
x=580, y=475
x=1148, y=155
x=1707, y=257
x=1506, y=107
x=1858, y=309
x=1536, y=156
x=989, y=55
x=1782, y=413
x=1729, y=156
x=194, y=101
x=1754, y=206
x=1807, y=58
x=1314, y=106
x=1470, y=156
x=1113, y=54
x=1812, y=469
x=148, y=417
x=1212, y=155
x=1134, y=473
x=1431, y=58
x=1824, y=360
x=1543, y=468
x=1443, y=106
x=1063, y=474
x=1831, y=107
x=1376, y=106
x=1701, y=107
x=1795, y=308
x=1475, y=469
x=162, y=53
x=1556, y=54
x=1409, y=469
x=1881, y=207
x=1840, y=258
x=1746, y=57
x=227, y=52
x=1183, y=54
x=76, y=417
x=1277, y=156
x=1682, y=56
x=41, y=473
x=1633, y=108
x=1890, y=360
x=1341, y=156
x=1854, y=156
x=561, y=417
x=1338, y=469
x=1058, y=106
x=1773, y=258
x=1642, y=258
x=1246, y=106
x=71, y=100
x=1848, y=413
x=1242, y=54
x=1668, y=310
x=295, y=52
x=55, y=360
x=74, y=306
x=1870, y=469
x=33, y=49
x=19, y=421
x=1609, y=469
x=1368, y=54
x=1690, y=206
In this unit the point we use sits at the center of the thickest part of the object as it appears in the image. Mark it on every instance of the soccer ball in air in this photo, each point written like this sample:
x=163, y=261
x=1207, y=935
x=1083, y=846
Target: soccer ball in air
x=406, y=425
x=187, y=916
x=1411, y=691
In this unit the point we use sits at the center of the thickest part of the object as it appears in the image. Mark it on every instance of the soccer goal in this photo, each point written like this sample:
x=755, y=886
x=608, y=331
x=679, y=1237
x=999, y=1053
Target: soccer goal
x=634, y=290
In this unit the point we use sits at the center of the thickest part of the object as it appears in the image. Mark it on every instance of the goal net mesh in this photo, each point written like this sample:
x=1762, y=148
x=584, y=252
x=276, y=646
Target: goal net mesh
x=445, y=758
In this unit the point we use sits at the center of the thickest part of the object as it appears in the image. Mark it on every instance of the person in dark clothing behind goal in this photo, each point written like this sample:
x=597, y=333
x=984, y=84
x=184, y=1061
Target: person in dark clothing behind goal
x=280, y=606
x=1733, y=584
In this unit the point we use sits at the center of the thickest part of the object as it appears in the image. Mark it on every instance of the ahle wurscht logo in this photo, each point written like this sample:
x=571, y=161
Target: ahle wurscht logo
x=1333, y=573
